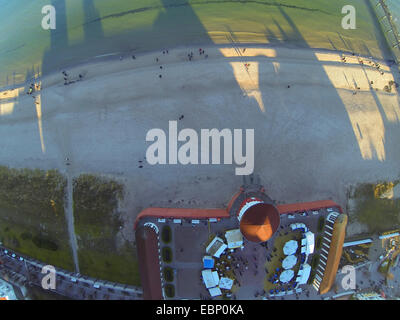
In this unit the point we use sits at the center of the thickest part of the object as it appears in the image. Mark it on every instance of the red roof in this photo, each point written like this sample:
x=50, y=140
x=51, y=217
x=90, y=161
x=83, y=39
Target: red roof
x=181, y=213
x=149, y=264
x=304, y=206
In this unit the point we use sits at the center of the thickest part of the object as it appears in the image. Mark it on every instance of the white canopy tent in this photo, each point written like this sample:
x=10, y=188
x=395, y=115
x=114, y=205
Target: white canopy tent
x=295, y=226
x=304, y=274
x=216, y=247
x=309, y=242
x=226, y=283
x=286, y=276
x=215, y=292
x=234, y=238
x=289, y=262
x=210, y=278
x=290, y=247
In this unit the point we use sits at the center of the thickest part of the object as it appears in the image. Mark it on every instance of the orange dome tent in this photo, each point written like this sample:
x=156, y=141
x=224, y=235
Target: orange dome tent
x=259, y=222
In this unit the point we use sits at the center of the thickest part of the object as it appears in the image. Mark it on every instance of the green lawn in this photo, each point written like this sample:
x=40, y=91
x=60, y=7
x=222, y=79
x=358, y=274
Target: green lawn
x=379, y=214
x=97, y=222
x=32, y=219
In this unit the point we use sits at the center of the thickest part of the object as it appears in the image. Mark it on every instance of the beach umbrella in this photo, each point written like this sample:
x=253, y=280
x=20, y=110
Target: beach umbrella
x=289, y=262
x=290, y=247
x=286, y=276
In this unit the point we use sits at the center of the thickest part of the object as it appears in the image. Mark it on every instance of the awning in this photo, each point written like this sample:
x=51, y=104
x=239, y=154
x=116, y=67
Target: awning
x=216, y=247
x=304, y=274
x=226, y=283
x=208, y=262
x=310, y=242
x=210, y=278
x=234, y=238
x=215, y=292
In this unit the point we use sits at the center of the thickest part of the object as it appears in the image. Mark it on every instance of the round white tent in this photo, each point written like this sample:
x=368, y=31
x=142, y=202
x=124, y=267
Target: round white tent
x=286, y=276
x=289, y=262
x=290, y=247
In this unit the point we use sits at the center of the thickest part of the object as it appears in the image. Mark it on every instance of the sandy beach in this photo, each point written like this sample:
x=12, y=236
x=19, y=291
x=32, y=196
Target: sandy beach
x=321, y=122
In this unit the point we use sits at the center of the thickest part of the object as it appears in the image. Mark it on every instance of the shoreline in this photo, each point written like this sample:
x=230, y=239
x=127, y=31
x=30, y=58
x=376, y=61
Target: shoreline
x=114, y=57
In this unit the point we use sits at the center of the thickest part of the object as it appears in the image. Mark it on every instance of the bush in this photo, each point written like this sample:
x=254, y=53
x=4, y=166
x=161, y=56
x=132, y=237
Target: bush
x=168, y=274
x=44, y=243
x=318, y=242
x=166, y=254
x=166, y=234
x=321, y=224
x=26, y=236
x=314, y=261
x=169, y=290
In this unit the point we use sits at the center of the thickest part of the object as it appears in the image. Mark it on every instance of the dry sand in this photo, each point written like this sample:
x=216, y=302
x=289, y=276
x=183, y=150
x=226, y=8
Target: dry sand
x=312, y=140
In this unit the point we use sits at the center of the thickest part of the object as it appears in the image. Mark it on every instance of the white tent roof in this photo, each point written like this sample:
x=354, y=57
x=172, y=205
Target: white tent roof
x=226, y=283
x=216, y=247
x=290, y=247
x=310, y=242
x=286, y=276
x=295, y=226
x=210, y=278
x=234, y=238
x=303, y=276
x=215, y=292
x=289, y=262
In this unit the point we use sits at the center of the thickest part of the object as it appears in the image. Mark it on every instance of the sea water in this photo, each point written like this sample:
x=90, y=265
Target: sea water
x=92, y=28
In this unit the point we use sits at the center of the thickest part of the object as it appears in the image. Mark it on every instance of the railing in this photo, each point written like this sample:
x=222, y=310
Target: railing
x=388, y=26
x=30, y=270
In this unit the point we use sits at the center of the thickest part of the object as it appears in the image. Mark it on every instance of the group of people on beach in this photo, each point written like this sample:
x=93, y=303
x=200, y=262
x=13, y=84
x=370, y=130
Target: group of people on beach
x=67, y=82
x=32, y=88
x=201, y=52
x=376, y=65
